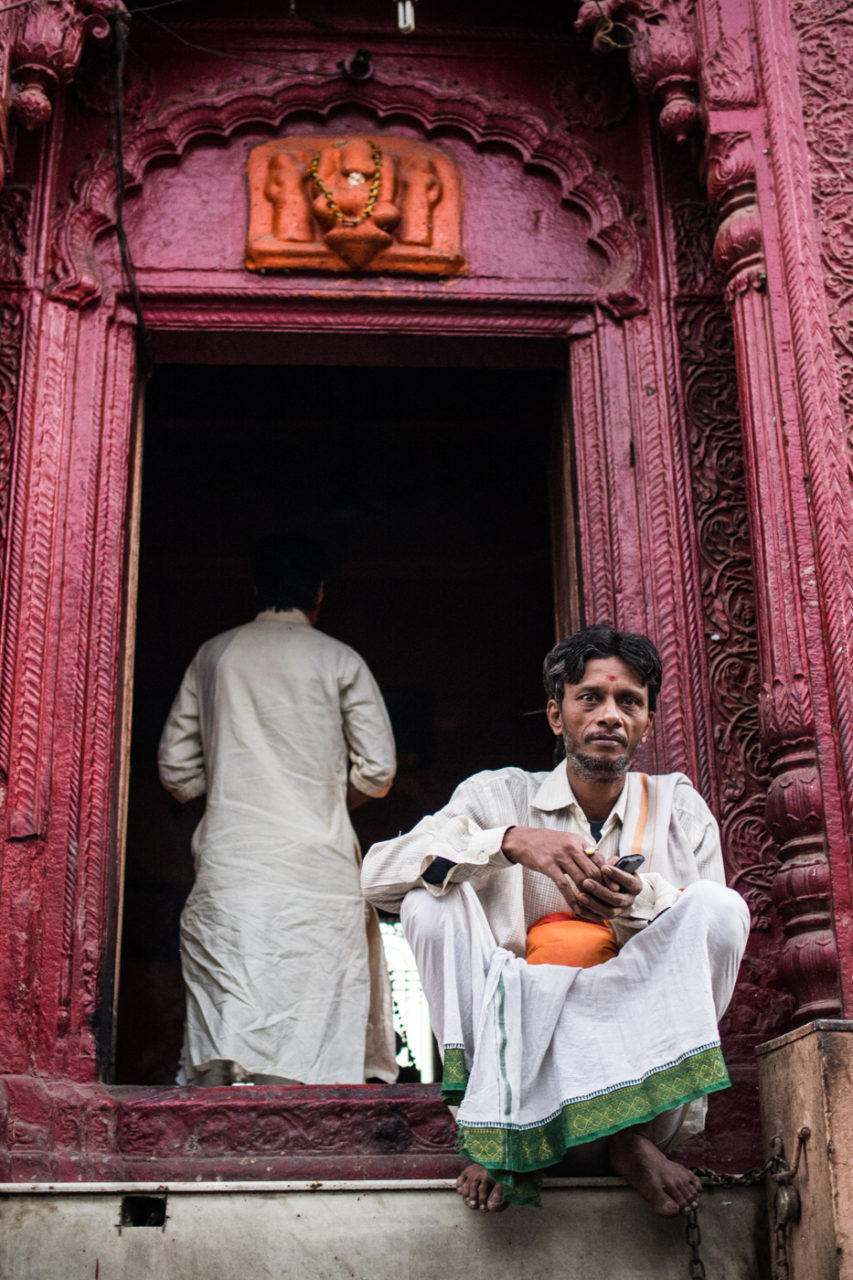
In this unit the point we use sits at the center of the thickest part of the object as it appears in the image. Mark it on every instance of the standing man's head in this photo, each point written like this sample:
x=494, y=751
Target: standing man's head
x=289, y=573
x=602, y=687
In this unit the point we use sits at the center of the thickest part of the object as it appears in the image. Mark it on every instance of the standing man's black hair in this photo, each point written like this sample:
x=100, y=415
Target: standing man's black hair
x=288, y=572
x=566, y=662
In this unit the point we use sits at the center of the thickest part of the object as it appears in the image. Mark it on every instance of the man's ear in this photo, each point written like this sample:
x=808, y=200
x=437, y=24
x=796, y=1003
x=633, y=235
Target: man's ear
x=648, y=727
x=555, y=717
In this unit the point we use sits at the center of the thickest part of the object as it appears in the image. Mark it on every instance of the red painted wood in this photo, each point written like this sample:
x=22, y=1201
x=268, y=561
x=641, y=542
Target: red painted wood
x=710, y=452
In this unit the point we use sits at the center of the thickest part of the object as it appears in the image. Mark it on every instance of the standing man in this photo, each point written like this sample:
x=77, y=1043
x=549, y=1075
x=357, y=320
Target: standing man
x=284, y=729
x=612, y=1061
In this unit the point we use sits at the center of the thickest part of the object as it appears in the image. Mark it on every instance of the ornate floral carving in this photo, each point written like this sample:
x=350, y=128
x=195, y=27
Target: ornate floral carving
x=694, y=226
x=58, y=1130
x=825, y=33
x=711, y=405
x=728, y=74
x=15, y=204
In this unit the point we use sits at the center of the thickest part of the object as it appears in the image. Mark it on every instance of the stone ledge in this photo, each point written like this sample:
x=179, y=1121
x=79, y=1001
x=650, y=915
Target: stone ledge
x=58, y=1130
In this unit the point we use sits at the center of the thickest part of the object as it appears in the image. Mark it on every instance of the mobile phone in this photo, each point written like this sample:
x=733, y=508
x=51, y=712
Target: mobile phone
x=630, y=863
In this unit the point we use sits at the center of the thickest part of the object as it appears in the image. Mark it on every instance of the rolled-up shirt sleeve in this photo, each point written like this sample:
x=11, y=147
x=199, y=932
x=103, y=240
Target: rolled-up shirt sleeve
x=462, y=837
x=180, y=756
x=367, y=729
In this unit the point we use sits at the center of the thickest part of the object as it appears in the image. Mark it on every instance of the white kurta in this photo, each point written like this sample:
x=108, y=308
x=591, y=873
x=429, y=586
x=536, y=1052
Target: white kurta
x=546, y=1057
x=283, y=965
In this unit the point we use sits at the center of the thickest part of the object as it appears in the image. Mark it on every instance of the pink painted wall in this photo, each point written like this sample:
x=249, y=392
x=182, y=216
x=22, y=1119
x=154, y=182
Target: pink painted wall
x=707, y=443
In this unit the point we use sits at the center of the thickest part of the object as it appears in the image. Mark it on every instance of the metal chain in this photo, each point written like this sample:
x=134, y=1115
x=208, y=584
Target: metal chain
x=751, y=1178
x=781, y=1263
x=693, y=1233
x=786, y=1203
x=696, y=1270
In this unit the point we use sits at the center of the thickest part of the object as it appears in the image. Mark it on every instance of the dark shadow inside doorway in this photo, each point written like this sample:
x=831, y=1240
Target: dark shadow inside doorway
x=433, y=485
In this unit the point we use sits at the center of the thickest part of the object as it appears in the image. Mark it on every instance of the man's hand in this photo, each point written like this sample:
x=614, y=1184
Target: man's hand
x=355, y=798
x=593, y=889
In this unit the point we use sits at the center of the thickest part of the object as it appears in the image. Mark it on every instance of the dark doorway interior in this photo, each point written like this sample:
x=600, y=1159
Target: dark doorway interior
x=433, y=485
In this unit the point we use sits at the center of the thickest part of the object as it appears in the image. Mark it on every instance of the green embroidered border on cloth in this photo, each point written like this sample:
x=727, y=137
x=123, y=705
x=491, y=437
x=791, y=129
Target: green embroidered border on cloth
x=454, y=1080
x=509, y=1152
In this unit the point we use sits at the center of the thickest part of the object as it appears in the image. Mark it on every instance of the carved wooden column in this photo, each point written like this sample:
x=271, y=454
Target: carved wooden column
x=57, y=733
x=795, y=805
x=638, y=565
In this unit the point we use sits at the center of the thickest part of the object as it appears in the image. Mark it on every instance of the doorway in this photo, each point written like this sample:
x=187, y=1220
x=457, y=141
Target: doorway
x=431, y=485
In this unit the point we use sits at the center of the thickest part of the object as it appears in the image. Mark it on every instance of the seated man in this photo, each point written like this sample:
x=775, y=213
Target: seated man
x=545, y=1058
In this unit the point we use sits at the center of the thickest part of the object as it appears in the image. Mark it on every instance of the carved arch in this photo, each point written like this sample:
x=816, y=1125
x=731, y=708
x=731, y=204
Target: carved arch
x=430, y=106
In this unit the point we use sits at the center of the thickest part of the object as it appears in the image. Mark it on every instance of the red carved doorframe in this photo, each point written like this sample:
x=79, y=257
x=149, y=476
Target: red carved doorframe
x=640, y=556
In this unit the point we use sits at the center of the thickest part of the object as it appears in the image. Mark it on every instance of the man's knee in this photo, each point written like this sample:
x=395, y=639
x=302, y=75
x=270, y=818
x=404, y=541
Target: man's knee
x=724, y=910
x=423, y=916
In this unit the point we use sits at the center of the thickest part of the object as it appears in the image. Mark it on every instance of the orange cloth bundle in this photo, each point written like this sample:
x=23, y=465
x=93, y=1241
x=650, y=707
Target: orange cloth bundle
x=559, y=938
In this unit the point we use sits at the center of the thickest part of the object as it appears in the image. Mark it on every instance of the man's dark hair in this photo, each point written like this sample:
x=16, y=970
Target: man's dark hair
x=566, y=662
x=288, y=571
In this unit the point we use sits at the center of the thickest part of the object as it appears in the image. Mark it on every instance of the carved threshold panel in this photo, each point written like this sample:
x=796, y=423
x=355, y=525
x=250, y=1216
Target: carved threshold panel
x=354, y=204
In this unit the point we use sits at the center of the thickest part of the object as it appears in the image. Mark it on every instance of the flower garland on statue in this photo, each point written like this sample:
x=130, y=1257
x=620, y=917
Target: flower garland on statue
x=354, y=179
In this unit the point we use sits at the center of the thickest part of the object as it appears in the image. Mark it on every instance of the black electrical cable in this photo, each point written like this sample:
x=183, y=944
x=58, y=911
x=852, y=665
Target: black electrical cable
x=163, y=4
x=236, y=57
x=121, y=26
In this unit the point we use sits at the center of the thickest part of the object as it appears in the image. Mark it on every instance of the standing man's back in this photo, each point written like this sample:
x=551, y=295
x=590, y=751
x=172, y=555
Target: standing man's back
x=282, y=727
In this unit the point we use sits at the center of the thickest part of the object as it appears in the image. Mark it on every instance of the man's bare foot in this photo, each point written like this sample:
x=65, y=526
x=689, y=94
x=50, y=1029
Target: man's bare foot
x=668, y=1187
x=479, y=1191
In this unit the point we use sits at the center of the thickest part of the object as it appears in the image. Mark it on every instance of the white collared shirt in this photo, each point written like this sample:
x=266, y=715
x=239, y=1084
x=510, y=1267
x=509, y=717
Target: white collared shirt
x=470, y=829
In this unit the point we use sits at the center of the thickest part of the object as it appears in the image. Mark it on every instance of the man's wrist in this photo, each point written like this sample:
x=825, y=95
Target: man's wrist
x=507, y=853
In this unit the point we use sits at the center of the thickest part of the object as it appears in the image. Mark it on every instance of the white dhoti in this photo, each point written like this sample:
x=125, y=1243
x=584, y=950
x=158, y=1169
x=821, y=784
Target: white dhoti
x=547, y=1057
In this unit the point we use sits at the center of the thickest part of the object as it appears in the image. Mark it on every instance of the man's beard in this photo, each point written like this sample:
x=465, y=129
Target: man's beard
x=595, y=768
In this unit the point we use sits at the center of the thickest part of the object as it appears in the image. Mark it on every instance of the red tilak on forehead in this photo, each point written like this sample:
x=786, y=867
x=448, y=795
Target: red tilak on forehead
x=612, y=679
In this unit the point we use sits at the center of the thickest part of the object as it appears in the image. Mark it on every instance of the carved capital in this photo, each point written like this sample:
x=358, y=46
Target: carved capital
x=728, y=74
x=662, y=53
x=47, y=49
x=786, y=716
x=739, y=246
x=729, y=166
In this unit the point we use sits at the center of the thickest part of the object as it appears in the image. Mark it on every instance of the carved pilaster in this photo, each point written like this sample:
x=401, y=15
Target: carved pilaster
x=662, y=53
x=795, y=813
x=738, y=249
x=58, y=683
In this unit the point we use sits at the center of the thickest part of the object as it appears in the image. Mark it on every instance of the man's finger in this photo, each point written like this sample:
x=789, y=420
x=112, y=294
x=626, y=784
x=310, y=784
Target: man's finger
x=566, y=885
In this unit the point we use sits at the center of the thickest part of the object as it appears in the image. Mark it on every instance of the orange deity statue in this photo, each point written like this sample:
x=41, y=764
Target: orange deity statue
x=354, y=204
